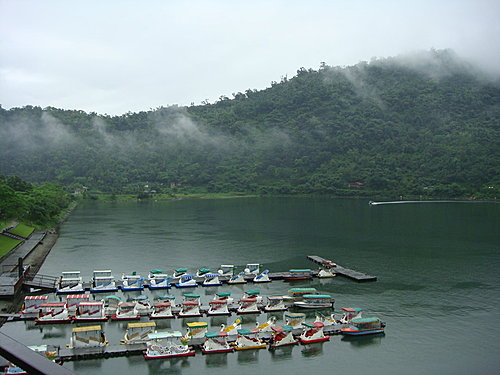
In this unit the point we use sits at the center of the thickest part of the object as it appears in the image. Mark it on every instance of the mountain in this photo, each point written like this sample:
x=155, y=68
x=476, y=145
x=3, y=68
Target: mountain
x=421, y=124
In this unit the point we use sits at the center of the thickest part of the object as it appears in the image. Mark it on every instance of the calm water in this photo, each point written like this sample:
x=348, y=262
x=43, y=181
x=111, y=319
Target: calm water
x=437, y=264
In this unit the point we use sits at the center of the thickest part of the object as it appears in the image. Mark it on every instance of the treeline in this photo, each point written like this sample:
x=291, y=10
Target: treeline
x=426, y=125
x=37, y=204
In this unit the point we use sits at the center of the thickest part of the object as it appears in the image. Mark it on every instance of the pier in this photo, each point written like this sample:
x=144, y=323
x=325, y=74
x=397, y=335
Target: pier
x=343, y=271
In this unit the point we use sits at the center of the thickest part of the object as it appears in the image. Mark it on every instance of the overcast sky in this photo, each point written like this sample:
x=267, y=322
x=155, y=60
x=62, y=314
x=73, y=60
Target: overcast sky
x=117, y=56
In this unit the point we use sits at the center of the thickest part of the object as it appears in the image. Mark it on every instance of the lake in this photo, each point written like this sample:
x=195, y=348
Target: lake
x=437, y=266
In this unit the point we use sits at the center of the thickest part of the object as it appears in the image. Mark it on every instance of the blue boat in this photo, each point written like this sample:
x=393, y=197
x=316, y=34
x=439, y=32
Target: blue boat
x=364, y=326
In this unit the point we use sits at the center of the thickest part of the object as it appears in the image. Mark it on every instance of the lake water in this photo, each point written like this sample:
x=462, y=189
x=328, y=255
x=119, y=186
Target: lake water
x=437, y=266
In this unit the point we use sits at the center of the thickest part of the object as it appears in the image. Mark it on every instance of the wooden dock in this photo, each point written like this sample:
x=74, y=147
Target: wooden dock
x=343, y=271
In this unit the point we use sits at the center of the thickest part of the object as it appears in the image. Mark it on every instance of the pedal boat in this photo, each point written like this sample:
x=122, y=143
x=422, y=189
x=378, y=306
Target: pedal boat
x=111, y=303
x=326, y=269
x=265, y=329
x=232, y=329
x=282, y=336
x=326, y=320
x=315, y=301
x=237, y=279
x=298, y=274
x=103, y=281
x=224, y=296
x=87, y=337
x=294, y=319
x=132, y=282
x=167, y=345
x=179, y=272
x=247, y=339
x=275, y=303
x=350, y=313
x=138, y=333
x=55, y=312
x=196, y=330
x=253, y=293
x=186, y=281
x=211, y=279
x=364, y=326
x=252, y=269
x=142, y=305
x=74, y=300
x=262, y=278
x=216, y=342
x=218, y=307
x=202, y=272
x=70, y=282
x=312, y=333
x=226, y=270
x=162, y=310
x=297, y=294
x=190, y=306
x=248, y=305
x=91, y=312
x=126, y=311
x=32, y=305
x=159, y=280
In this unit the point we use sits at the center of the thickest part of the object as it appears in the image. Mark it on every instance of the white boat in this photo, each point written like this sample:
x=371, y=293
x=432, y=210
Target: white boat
x=167, y=345
x=297, y=294
x=179, y=272
x=226, y=296
x=132, y=282
x=202, y=272
x=226, y=270
x=275, y=303
x=192, y=297
x=186, y=281
x=313, y=332
x=196, y=330
x=350, y=313
x=87, y=337
x=211, y=279
x=111, y=303
x=266, y=328
x=103, y=281
x=262, y=277
x=73, y=300
x=126, y=311
x=282, y=336
x=248, y=305
x=294, y=319
x=159, y=280
x=325, y=273
x=253, y=293
x=233, y=328
x=162, y=310
x=247, y=339
x=32, y=305
x=137, y=333
x=326, y=320
x=91, y=312
x=55, y=312
x=218, y=307
x=70, y=282
x=190, y=306
x=216, y=342
x=142, y=305
x=315, y=301
x=252, y=269
x=237, y=279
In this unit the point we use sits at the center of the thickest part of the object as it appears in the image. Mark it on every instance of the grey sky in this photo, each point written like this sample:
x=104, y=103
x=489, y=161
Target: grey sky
x=118, y=56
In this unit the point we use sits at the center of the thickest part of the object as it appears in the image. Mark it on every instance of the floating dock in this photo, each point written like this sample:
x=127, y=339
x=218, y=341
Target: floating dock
x=339, y=270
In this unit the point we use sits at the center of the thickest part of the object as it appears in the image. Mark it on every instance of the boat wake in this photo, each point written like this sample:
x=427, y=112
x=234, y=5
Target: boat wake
x=372, y=203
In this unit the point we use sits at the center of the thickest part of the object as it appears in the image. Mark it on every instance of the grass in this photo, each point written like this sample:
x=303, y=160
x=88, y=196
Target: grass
x=7, y=244
x=22, y=230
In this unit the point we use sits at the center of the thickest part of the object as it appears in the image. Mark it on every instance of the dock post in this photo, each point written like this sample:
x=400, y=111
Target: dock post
x=20, y=267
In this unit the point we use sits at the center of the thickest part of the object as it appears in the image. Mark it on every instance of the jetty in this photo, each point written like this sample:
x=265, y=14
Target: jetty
x=342, y=271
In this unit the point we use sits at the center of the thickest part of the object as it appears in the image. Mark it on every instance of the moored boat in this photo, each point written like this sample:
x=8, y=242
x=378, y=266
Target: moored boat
x=32, y=305
x=162, y=310
x=103, y=281
x=297, y=294
x=91, y=311
x=70, y=282
x=216, y=342
x=167, y=345
x=253, y=293
x=190, y=306
x=211, y=279
x=138, y=333
x=73, y=300
x=275, y=303
x=218, y=307
x=233, y=328
x=53, y=312
x=248, y=305
x=326, y=320
x=179, y=272
x=226, y=270
x=186, y=281
x=196, y=330
x=326, y=269
x=237, y=279
x=142, y=304
x=262, y=277
x=126, y=311
x=202, y=272
x=313, y=332
x=298, y=274
x=132, y=282
x=226, y=296
x=364, y=326
x=247, y=339
x=350, y=313
x=265, y=329
x=294, y=319
x=282, y=336
x=87, y=337
x=111, y=303
x=158, y=280
x=252, y=269
x=315, y=301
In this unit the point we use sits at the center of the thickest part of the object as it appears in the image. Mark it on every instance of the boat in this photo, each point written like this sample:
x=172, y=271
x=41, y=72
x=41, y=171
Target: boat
x=179, y=272
x=313, y=332
x=233, y=328
x=111, y=303
x=266, y=328
x=196, y=330
x=237, y=279
x=103, y=281
x=53, y=312
x=253, y=293
x=298, y=274
x=192, y=297
x=226, y=270
x=70, y=282
x=186, y=281
x=142, y=305
x=190, y=306
x=73, y=300
x=137, y=333
x=248, y=305
x=216, y=342
x=132, y=282
x=315, y=301
x=326, y=320
x=247, y=339
x=202, y=272
x=282, y=336
x=297, y=294
x=294, y=319
x=162, y=310
x=275, y=303
x=158, y=280
x=226, y=296
x=48, y=351
x=252, y=269
x=167, y=345
x=350, y=313
x=32, y=305
x=326, y=269
x=364, y=326
x=87, y=337
x=211, y=279
x=262, y=277
x=126, y=311
x=218, y=307
x=91, y=312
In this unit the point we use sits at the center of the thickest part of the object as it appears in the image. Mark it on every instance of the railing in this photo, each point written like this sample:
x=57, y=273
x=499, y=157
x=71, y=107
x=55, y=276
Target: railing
x=40, y=281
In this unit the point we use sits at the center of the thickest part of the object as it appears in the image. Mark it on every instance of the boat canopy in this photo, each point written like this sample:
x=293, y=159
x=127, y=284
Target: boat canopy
x=156, y=271
x=207, y=275
x=142, y=297
x=113, y=297
x=28, y=298
x=277, y=329
x=244, y=331
x=166, y=296
x=191, y=295
x=87, y=328
x=91, y=303
x=218, y=302
x=78, y=296
x=204, y=270
x=164, y=335
x=252, y=292
x=294, y=315
x=227, y=266
x=53, y=304
x=211, y=335
x=365, y=320
x=352, y=309
x=302, y=290
x=181, y=270
x=326, y=296
x=275, y=298
x=141, y=325
x=197, y=324
x=224, y=294
x=300, y=270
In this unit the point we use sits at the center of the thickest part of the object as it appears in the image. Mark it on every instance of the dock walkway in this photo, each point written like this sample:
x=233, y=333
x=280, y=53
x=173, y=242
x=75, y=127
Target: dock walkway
x=343, y=271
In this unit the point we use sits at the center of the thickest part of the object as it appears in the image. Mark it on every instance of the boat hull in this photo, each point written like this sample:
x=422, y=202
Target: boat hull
x=261, y=346
x=54, y=321
x=322, y=339
x=240, y=312
x=196, y=315
x=361, y=333
x=177, y=285
x=117, y=317
x=103, y=290
x=187, y=354
x=131, y=288
x=217, y=351
x=160, y=286
x=274, y=346
x=100, y=319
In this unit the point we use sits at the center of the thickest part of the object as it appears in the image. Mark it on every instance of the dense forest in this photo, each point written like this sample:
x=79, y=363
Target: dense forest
x=425, y=124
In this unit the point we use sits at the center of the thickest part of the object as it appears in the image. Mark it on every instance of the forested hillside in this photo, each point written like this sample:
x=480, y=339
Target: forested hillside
x=420, y=125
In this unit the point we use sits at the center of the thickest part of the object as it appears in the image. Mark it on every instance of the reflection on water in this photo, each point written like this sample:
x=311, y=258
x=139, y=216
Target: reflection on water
x=91, y=363
x=281, y=353
x=313, y=350
x=364, y=341
x=248, y=356
x=216, y=360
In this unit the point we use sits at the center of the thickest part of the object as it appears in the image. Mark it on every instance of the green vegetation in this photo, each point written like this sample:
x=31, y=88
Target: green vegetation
x=22, y=230
x=427, y=127
x=7, y=244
